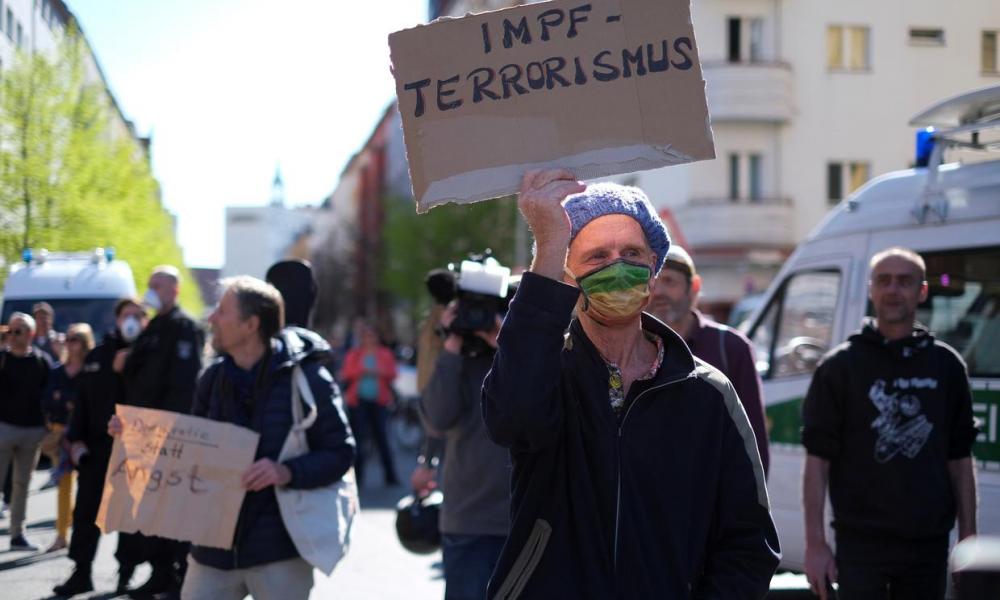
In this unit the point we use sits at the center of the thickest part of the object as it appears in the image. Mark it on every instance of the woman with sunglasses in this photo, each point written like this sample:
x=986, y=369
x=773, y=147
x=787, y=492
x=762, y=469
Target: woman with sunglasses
x=59, y=401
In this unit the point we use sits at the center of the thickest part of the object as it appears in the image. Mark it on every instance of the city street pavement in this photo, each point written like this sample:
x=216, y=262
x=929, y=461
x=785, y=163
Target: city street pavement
x=376, y=567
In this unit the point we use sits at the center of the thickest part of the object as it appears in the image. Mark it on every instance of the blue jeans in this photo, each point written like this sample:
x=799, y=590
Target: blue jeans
x=468, y=564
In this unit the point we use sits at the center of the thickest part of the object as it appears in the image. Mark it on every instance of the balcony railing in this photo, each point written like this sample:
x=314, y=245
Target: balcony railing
x=749, y=91
x=723, y=223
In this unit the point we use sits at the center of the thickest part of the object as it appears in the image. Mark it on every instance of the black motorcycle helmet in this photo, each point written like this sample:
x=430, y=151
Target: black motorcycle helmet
x=417, y=522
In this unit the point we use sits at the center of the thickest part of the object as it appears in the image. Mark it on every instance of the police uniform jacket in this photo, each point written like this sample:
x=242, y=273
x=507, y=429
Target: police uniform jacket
x=162, y=369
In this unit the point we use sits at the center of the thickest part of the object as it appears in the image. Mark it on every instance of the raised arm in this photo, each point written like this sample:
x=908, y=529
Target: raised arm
x=520, y=398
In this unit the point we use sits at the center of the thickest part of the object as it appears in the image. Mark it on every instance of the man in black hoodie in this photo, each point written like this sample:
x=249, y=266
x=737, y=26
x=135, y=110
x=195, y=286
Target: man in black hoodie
x=887, y=423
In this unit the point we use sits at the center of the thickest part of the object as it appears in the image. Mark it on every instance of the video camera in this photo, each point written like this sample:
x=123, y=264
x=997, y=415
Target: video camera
x=481, y=286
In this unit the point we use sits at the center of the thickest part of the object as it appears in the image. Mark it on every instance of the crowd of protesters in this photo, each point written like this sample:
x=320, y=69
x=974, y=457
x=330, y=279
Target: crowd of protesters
x=598, y=437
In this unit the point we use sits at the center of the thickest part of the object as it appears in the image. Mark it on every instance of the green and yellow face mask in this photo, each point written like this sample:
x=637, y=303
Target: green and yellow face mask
x=616, y=290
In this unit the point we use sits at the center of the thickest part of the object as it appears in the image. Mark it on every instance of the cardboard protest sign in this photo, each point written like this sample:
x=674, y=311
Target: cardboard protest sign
x=599, y=87
x=176, y=476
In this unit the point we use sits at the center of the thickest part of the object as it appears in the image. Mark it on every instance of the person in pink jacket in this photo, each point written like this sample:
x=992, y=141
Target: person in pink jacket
x=368, y=372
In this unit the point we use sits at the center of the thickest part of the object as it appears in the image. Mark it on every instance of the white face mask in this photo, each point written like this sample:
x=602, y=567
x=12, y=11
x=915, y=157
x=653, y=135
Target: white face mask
x=151, y=300
x=131, y=328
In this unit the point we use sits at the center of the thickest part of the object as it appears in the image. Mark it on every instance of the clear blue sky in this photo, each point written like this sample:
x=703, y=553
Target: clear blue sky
x=231, y=88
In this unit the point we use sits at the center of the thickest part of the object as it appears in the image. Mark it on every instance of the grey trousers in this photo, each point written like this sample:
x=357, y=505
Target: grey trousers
x=283, y=580
x=19, y=448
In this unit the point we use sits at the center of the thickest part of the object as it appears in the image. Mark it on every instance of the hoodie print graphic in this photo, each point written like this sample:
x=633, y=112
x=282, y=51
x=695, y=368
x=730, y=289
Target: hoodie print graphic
x=900, y=425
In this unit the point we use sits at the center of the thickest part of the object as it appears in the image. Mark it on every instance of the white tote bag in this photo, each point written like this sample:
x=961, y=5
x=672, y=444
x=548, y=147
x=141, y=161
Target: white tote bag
x=318, y=520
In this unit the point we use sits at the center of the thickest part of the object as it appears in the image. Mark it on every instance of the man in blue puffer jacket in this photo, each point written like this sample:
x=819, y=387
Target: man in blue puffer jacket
x=250, y=386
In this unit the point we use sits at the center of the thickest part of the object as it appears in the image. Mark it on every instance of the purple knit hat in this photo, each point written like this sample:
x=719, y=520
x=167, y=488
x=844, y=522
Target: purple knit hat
x=602, y=199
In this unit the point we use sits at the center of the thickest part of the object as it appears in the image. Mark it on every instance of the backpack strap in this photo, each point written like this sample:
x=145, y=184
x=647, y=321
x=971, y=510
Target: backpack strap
x=301, y=389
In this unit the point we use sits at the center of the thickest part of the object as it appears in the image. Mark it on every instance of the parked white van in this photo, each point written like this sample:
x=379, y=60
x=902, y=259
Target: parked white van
x=81, y=287
x=950, y=214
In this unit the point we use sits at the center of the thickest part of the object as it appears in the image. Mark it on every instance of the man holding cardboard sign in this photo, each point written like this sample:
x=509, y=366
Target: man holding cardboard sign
x=635, y=470
x=251, y=386
x=599, y=87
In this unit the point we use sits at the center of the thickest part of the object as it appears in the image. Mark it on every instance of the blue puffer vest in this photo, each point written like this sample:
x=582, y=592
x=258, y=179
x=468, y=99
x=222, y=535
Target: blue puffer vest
x=261, y=400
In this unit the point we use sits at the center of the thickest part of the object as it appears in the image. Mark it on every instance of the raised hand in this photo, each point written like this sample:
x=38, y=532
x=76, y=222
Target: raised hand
x=540, y=201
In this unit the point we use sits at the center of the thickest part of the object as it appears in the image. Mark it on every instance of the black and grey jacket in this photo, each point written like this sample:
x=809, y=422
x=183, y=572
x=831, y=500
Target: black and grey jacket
x=667, y=501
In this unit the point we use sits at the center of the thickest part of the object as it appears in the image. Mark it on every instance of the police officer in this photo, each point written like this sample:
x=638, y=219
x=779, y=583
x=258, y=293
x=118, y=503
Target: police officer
x=100, y=387
x=160, y=372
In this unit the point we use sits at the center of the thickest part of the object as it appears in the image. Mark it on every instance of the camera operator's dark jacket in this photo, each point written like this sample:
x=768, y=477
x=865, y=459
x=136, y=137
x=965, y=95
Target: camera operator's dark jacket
x=162, y=369
x=667, y=501
x=98, y=389
x=476, y=472
x=260, y=400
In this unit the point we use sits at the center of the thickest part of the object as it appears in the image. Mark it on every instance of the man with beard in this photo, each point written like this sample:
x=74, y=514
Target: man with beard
x=635, y=471
x=674, y=299
x=100, y=387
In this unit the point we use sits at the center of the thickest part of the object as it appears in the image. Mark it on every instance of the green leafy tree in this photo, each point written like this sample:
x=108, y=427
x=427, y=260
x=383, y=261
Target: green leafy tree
x=69, y=180
x=414, y=244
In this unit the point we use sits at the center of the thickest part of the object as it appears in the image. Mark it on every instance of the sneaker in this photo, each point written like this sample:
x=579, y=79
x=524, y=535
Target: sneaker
x=19, y=543
x=78, y=583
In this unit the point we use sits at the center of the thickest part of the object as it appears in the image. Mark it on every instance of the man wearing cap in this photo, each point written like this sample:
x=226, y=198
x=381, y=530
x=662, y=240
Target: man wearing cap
x=46, y=338
x=635, y=470
x=674, y=298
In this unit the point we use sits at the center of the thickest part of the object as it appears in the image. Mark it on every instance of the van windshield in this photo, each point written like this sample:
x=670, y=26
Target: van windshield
x=963, y=305
x=96, y=312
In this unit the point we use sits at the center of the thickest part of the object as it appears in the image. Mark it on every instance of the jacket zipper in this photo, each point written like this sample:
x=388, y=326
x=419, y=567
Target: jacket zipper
x=618, y=447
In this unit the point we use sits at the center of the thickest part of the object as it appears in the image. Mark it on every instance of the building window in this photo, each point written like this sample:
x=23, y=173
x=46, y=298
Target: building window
x=745, y=41
x=734, y=177
x=989, y=51
x=756, y=40
x=734, y=39
x=848, y=48
x=20, y=35
x=857, y=173
x=926, y=36
x=10, y=24
x=755, y=176
x=834, y=182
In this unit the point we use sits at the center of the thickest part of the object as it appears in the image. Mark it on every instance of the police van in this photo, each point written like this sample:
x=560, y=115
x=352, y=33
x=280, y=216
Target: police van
x=949, y=212
x=81, y=287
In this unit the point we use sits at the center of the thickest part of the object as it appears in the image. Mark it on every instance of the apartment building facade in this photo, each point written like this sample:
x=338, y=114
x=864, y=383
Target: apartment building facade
x=38, y=26
x=808, y=99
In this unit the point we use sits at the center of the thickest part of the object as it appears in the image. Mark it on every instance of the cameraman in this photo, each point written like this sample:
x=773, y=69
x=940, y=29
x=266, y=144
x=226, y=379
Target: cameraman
x=475, y=479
